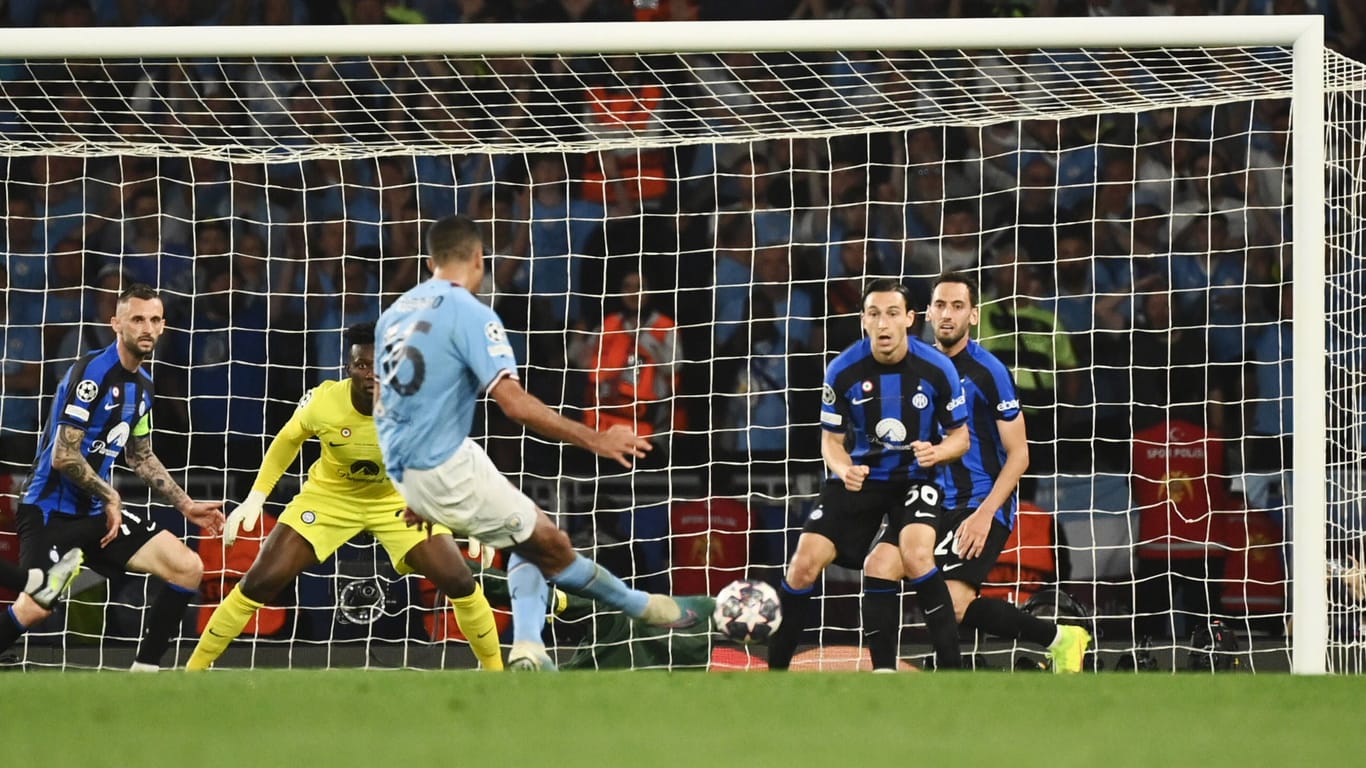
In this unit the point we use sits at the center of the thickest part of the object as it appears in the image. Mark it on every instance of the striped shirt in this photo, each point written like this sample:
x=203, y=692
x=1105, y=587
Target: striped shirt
x=109, y=403
x=884, y=408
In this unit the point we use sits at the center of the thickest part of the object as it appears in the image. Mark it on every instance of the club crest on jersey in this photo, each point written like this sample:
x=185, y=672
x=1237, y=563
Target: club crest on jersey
x=920, y=400
x=87, y=390
x=827, y=394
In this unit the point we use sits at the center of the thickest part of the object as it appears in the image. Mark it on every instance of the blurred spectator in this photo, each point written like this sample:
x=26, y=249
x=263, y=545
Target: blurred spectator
x=844, y=298
x=1180, y=487
x=623, y=106
x=1030, y=341
x=21, y=380
x=61, y=304
x=633, y=364
x=223, y=357
x=351, y=299
x=24, y=255
x=1171, y=372
x=767, y=360
x=1270, y=387
x=94, y=332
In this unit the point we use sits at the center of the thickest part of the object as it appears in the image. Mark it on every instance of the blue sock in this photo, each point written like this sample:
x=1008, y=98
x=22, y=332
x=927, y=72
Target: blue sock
x=588, y=579
x=530, y=598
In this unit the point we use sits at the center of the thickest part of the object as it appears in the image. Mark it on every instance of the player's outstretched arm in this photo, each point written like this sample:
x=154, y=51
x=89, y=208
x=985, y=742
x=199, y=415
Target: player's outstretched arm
x=278, y=457
x=145, y=464
x=68, y=459
x=618, y=443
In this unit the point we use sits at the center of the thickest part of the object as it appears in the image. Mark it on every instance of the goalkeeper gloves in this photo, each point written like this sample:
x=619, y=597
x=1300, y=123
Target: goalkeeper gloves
x=244, y=518
x=481, y=552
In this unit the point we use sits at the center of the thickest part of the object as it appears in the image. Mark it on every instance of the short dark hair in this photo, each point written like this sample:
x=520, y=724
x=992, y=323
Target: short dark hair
x=139, y=291
x=454, y=238
x=360, y=333
x=961, y=278
x=886, y=285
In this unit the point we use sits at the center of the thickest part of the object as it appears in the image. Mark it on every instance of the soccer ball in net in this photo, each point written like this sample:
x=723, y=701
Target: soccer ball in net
x=747, y=611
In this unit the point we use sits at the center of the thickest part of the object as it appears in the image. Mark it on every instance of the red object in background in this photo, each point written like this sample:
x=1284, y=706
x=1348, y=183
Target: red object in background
x=1179, y=488
x=1026, y=564
x=440, y=622
x=223, y=568
x=1254, y=576
x=9, y=539
x=710, y=544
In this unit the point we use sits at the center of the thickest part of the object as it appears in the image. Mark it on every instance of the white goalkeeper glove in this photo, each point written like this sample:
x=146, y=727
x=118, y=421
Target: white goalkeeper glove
x=244, y=518
x=481, y=552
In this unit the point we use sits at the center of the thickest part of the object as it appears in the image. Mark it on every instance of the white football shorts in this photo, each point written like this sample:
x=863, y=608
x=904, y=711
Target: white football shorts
x=470, y=496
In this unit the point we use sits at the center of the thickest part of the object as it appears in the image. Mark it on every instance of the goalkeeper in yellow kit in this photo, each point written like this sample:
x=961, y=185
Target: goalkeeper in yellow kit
x=347, y=491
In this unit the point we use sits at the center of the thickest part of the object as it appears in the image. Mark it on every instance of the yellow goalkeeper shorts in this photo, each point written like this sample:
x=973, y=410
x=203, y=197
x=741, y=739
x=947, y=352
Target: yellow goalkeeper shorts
x=327, y=523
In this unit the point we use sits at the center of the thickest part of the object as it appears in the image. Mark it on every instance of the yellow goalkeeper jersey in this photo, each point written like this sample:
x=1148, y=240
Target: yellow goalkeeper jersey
x=350, y=467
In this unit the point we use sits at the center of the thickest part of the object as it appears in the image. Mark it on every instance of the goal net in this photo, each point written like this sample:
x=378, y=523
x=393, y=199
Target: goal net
x=678, y=239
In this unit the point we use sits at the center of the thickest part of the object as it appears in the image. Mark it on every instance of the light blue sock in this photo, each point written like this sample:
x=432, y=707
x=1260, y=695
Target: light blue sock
x=588, y=579
x=530, y=597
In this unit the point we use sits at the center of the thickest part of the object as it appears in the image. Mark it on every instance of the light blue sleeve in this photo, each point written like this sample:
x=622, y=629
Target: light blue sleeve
x=484, y=346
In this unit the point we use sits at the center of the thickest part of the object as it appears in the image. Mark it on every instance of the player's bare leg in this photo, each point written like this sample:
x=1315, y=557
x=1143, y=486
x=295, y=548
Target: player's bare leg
x=167, y=558
x=439, y=558
x=814, y=553
x=283, y=557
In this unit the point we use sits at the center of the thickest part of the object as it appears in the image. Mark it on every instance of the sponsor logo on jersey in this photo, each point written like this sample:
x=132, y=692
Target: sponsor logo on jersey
x=891, y=432
x=956, y=402
x=1008, y=405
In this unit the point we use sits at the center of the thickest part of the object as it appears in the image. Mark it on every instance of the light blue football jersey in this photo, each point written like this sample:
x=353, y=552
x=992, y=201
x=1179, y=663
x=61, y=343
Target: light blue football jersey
x=437, y=349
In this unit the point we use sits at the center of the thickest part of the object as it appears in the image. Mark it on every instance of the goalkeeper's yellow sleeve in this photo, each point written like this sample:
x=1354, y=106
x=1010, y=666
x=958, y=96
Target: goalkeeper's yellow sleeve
x=280, y=455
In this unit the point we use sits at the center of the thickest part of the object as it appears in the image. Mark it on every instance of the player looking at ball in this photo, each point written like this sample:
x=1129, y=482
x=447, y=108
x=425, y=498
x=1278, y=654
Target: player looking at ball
x=979, y=499
x=884, y=400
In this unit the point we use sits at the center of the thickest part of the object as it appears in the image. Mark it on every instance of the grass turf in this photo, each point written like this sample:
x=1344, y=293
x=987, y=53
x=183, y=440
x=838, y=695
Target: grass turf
x=374, y=718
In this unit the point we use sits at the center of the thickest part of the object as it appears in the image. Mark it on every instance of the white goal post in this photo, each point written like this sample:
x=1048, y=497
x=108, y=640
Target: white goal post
x=1268, y=57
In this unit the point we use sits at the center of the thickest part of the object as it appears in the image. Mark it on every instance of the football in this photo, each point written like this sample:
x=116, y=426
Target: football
x=747, y=611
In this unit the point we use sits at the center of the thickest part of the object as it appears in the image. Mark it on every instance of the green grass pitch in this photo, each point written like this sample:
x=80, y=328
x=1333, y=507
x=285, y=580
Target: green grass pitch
x=302, y=718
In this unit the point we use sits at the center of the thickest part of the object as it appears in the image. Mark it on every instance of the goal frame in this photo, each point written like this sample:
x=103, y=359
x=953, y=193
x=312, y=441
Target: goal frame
x=1303, y=34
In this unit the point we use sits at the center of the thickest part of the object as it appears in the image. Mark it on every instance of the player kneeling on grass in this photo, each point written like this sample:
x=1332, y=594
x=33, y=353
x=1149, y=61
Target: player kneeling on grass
x=443, y=349
x=979, y=491
x=347, y=492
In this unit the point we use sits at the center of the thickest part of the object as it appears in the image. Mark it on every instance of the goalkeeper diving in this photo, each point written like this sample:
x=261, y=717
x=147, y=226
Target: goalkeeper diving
x=347, y=491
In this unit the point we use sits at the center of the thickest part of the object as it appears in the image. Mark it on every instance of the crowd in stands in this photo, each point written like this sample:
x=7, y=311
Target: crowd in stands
x=1130, y=264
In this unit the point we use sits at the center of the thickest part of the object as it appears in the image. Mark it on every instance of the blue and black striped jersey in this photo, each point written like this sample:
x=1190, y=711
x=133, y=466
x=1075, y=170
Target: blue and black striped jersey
x=887, y=407
x=991, y=397
x=109, y=403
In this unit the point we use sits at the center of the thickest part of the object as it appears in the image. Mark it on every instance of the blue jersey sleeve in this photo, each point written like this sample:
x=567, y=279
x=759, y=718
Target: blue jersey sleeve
x=1000, y=393
x=832, y=417
x=484, y=346
x=951, y=405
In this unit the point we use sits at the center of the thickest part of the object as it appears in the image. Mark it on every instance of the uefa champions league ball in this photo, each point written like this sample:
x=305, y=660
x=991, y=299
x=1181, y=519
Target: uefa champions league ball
x=747, y=611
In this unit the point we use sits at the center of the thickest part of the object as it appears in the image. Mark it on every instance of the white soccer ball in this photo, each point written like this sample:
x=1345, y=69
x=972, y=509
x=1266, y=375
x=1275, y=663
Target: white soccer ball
x=747, y=611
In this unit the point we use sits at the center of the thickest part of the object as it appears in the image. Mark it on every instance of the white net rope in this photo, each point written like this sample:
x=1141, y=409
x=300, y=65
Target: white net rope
x=278, y=200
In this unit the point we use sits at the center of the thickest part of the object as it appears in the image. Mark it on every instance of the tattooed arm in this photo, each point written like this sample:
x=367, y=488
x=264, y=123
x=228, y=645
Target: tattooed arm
x=146, y=465
x=67, y=459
